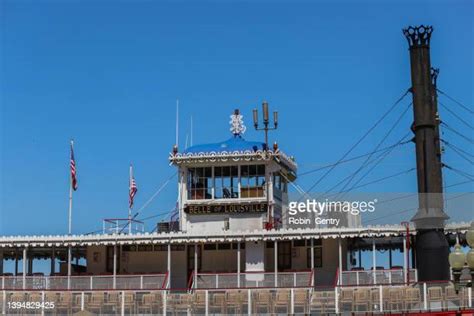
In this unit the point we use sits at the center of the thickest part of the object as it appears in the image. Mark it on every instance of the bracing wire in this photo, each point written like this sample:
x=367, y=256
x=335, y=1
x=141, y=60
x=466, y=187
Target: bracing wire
x=460, y=154
x=358, y=142
x=457, y=102
x=363, y=165
x=353, y=158
x=456, y=115
x=458, y=133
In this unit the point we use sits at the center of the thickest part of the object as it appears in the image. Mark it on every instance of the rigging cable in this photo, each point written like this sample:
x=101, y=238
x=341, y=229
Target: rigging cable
x=456, y=115
x=458, y=133
x=359, y=141
x=460, y=154
x=377, y=147
x=353, y=158
x=460, y=172
x=455, y=101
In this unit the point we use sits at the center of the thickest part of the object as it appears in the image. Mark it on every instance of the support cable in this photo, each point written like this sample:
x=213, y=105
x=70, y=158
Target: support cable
x=460, y=154
x=456, y=115
x=347, y=177
x=363, y=165
x=460, y=172
x=354, y=158
x=376, y=181
x=455, y=101
x=458, y=133
x=359, y=141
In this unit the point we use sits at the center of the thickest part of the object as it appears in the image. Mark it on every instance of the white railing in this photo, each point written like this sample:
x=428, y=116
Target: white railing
x=377, y=277
x=93, y=282
x=251, y=280
x=331, y=300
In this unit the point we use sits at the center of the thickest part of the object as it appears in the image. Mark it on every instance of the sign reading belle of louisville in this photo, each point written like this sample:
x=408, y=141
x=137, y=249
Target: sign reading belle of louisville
x=226, y=208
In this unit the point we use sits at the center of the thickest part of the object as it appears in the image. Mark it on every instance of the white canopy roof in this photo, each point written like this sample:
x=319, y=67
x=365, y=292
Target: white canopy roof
x=225, y=236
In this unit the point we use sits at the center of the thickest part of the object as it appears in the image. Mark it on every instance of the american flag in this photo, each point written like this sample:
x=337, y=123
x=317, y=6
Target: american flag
x=73, y=170
x=133, y=188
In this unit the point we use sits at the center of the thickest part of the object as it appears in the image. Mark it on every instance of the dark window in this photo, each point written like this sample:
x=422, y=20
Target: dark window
x=145, y=248
x=177, y=247
x=318, y=257
x=161, y=247
x=270, y=244
x=191, y=257
x=109, y=266
x=284, y=255
x=224, y=246
x=210, y=246
x=299, y=243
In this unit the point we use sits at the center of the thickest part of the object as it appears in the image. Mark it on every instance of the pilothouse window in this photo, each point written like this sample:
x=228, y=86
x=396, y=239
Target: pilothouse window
x=223, y=182
x=226, y=181
x=200, y=183
x=252, y=181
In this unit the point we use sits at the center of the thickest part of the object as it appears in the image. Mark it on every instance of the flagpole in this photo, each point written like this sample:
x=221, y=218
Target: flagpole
x=129, y=205
x=69, y=252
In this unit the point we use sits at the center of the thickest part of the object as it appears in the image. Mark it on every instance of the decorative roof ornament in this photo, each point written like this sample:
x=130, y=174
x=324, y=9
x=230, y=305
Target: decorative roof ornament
x=236, y=122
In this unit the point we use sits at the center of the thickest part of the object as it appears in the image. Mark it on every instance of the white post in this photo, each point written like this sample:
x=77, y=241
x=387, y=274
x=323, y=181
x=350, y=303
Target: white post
x=340, y=260
x=42, y=302
x=425, y=301
x=294, y=279
x=381, y=298
x=336, y=300
x=164, y=302
x=292, y=301
x=115, y=267
x=207, y=302
x=129, y=206
x=4, y=303
x=312, y=254
x=217, y=281
x=238, y=264
x=469, y=297
x=276, y=263
x=249, y=303
x=169, y=265
x=82, y=301
x=123, y=304
x=24, y=268
x=405, y=260
x=3, y=282
x=374, y=262
x=195, y=265
x=69, y=270
x=357, y=277
x=91, y=283
x=141, y=282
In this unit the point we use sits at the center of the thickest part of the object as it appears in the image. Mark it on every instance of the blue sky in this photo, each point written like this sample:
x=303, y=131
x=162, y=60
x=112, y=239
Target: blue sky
x=108, y=73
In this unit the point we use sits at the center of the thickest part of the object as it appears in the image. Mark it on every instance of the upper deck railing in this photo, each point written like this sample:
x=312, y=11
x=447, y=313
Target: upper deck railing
x=235, y=280
x=92, y=282
x=377, y=277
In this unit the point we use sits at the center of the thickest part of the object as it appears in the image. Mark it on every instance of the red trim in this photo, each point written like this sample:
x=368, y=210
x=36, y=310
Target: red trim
x=165, y=280
x=311, y=277
x=190, y=280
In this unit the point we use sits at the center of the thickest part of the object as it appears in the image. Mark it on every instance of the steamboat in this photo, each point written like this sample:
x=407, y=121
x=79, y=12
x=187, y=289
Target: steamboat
x=232, y=250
